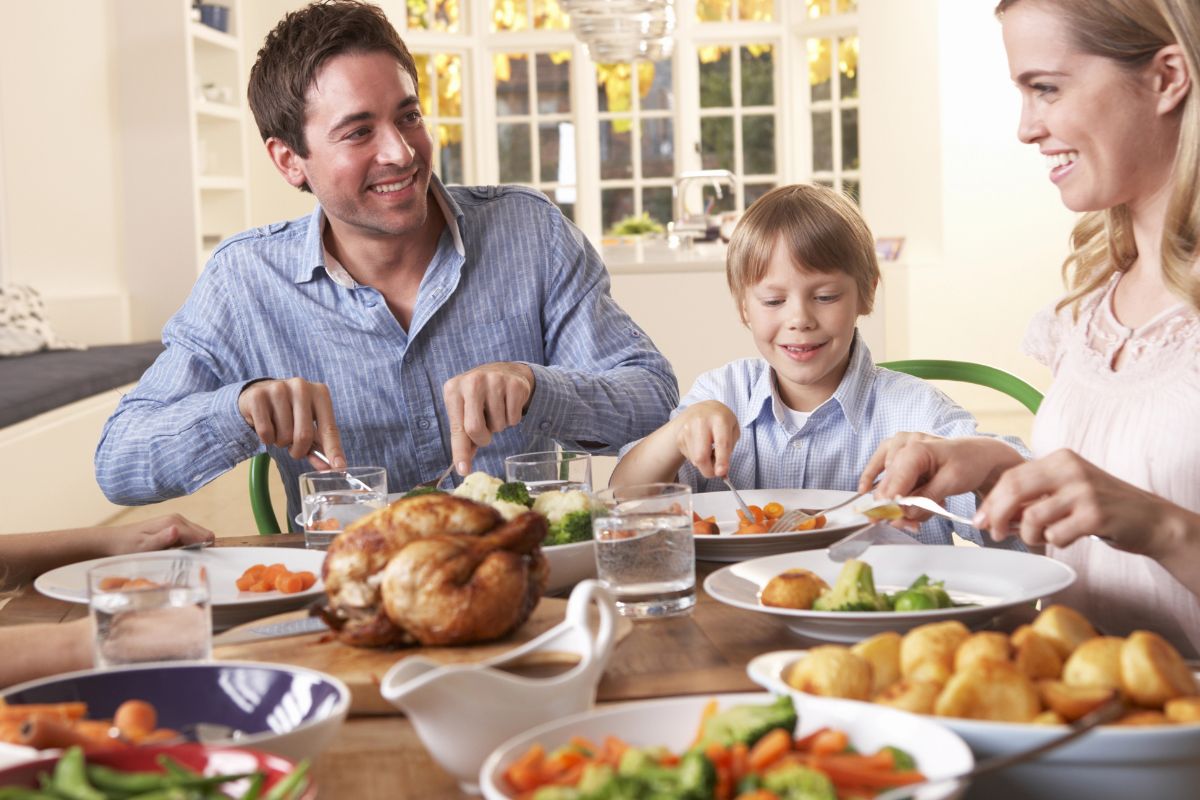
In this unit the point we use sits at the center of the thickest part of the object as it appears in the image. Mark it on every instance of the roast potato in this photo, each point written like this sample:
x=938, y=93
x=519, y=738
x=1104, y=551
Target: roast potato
x=1152, y=671
x=918, y=697
x=989, y=690
x=1037, y=657
x=927, y=651
x=1048, y=718
x=794, y=588
x=1096, y=662
x=882, y=651
x=831, y=671
x=1065, y=627
x=1072, y=702
x=1183, y=710
x=1143, y=717
x=985, y=646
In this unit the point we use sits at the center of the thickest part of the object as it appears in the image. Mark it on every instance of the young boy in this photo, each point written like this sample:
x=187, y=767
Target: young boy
x=802, y=268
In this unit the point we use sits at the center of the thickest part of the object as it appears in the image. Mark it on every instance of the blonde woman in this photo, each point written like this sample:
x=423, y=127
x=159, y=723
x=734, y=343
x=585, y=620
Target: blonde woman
x=31, y=651
x=1107, y=96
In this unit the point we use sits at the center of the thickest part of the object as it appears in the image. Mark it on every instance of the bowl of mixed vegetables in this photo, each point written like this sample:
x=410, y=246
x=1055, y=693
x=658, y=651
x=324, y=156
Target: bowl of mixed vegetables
x=731, y=746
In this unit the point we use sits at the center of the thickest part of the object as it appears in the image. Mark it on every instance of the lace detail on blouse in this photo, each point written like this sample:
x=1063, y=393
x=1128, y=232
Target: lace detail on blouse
x=1154, y=346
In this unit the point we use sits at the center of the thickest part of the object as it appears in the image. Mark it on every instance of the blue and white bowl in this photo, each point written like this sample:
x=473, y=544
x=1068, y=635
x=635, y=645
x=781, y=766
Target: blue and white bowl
x=289, y=711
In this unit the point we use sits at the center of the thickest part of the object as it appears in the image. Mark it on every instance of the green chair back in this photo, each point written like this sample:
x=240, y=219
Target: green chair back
x=933, y=369
x=260, y=495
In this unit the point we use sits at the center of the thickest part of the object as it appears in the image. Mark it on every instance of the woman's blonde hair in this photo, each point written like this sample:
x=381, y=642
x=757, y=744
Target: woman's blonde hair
x=822, y=230
x=1131, y=32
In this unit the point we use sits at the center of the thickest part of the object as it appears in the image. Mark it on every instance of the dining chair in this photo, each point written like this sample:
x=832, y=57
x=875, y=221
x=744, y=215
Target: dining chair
x=260, y=495
x=935, y=369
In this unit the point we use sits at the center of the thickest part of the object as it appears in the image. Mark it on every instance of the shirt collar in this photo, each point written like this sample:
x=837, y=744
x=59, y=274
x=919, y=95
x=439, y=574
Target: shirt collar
x=852, y=395
x=314, y=243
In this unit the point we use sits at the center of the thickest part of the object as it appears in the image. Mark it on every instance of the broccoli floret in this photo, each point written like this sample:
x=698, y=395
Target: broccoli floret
x=854, y=590
x=515, y=492
x=794, y=782
x=642, y=774
x=420, y=490
x=901, y=759
x=748, y=723
x=574, y=527
x=569, y=514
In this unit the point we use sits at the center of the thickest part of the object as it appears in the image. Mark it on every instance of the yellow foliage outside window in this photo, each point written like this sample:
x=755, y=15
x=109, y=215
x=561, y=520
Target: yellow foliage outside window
x=819, y=64
x=513, y=15
x=617, y=82
x=442, y=86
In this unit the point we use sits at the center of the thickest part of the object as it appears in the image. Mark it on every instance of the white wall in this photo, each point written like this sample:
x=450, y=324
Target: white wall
x=985, y=229
x=62, y=196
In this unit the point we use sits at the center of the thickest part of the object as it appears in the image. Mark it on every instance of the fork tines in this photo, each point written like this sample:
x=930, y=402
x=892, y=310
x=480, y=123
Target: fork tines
x=789, y=521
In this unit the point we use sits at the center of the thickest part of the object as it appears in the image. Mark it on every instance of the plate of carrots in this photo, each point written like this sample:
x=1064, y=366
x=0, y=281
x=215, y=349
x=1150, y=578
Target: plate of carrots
x=729, y=747
x=724, y=533
x=245, y=583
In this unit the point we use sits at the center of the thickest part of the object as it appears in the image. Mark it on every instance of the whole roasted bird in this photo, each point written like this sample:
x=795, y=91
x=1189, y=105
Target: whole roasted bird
x=434, y=569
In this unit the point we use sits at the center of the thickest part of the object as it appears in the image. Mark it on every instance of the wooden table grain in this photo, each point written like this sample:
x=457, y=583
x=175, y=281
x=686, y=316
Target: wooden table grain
x=704, y=652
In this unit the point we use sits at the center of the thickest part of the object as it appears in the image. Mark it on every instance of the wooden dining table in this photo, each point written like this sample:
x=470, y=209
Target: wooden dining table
x=381, y=757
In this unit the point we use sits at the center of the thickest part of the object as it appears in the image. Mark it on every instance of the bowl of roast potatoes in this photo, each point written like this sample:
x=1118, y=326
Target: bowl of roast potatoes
x=1006, y=692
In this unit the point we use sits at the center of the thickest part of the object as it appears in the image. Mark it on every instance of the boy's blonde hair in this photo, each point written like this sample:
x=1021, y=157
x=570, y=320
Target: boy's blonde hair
x=822, y=230
x=1130, y=33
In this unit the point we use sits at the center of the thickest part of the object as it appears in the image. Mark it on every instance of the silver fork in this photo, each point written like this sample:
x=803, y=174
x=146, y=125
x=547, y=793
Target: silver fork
x=350, y=479
x=791, y=519
x=926, y=504
x=436, y=482
x=741, y=503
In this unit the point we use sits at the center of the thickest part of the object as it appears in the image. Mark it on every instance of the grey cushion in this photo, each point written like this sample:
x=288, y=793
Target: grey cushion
x=40, y=382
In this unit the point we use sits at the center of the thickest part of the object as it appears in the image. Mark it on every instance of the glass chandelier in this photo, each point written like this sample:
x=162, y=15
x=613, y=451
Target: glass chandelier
x=623, y=30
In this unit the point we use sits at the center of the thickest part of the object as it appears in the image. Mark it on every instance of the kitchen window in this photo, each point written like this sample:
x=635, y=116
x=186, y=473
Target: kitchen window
x=767, y=89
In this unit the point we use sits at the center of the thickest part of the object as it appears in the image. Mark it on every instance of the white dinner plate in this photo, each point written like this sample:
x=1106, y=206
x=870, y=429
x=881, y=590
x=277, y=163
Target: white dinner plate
x=993, y=580
x=672, y=723
x=755, y=545
x=1110, y=762
x=224, y=564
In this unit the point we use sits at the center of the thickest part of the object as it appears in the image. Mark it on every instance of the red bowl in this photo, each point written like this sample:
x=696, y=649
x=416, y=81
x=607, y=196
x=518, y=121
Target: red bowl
x=205, y=759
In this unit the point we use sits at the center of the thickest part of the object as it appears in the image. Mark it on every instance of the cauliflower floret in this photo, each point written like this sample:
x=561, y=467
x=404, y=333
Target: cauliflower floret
x=556, y=505
x=479, y=486
x=509, y=510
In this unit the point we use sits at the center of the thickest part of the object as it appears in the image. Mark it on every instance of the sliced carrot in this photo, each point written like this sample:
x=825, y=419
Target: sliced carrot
x=805, y=742
x=23, y=711
x=703, y=527
x=769, y=749
x=829, y=742
x=135, y=719
x=812, y=523
x=707, y=713
x=773, y=510
x=739, y=761
x=244, y=583
x=758, y=794
x=112, y=583
x=261, y=586
x=308, y=579
x=526, y=772
x=756, y=527
x=254, y=571
x=290, y=583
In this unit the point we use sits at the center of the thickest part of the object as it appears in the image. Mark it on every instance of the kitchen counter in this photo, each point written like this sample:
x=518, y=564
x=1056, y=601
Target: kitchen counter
x=650, y=256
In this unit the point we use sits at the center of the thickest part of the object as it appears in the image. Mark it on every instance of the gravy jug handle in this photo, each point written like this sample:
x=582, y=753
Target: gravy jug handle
x=582, y=596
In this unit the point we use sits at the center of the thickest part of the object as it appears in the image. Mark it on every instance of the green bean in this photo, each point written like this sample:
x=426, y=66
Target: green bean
x=291, y=785
x=173, y=767
x=70, y=777
x=254, y=791
x=111, y=780
x=20, y=793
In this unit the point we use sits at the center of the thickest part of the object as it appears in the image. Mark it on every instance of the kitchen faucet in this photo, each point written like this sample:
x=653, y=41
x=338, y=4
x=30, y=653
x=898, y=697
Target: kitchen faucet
x=685, y=223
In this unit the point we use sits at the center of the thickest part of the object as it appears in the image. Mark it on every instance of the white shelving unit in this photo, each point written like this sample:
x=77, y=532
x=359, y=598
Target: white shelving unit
x=182, y=113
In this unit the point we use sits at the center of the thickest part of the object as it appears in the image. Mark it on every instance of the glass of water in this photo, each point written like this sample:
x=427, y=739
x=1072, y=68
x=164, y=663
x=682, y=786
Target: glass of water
x=150, y=609
x=553, y=470
x=332, y=499
x=645, y=553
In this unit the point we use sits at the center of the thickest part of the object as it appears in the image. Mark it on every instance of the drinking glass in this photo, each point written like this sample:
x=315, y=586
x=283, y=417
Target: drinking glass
x=150, y=609
x=645, y=552
x=332, y=499
x=552, y=470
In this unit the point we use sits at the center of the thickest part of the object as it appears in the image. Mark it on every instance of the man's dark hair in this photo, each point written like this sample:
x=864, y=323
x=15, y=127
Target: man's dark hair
x=296, y=50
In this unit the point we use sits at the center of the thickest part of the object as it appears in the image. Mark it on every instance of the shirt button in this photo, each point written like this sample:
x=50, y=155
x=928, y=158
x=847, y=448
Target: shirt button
x=423, y=423
x=545, y=426
x=797, y=445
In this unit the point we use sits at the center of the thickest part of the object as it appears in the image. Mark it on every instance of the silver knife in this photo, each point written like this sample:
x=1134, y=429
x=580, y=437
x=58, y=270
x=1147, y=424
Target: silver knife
x=273, y=630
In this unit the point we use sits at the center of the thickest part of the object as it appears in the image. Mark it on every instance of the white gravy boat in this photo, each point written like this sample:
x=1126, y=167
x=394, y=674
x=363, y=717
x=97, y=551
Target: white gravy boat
x=464, y=711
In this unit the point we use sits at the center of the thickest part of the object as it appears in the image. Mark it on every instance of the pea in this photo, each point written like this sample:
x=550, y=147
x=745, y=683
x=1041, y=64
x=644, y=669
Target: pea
x=914, y=600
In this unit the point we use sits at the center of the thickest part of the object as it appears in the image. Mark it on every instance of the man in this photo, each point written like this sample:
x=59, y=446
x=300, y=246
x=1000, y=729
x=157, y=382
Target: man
x=433, y=321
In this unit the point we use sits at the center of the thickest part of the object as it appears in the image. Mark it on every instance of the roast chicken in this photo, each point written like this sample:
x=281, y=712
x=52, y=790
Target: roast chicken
x=434, y=569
